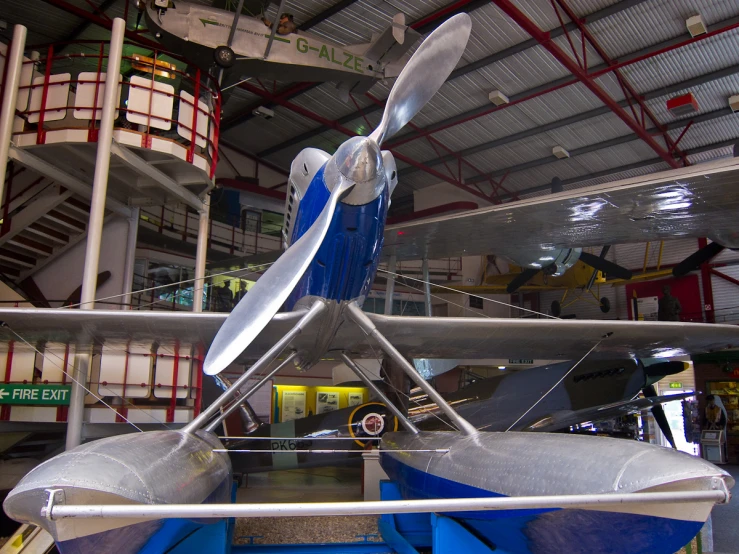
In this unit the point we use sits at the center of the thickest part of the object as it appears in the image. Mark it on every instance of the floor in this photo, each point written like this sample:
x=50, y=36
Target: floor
x=326, y=484
x=725, y=518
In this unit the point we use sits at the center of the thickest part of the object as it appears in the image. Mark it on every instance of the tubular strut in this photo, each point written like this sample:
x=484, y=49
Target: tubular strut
x=390, y=406
x=243, y=398
x=358, y=316
x=314, y=311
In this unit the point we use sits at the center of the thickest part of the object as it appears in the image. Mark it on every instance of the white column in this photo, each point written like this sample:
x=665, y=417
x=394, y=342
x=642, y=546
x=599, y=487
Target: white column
x=102, y=166
x=95, y=224
x=7, y=112
x=201, y=257
x=390, y=286
x=426, y=287
x=133, y=233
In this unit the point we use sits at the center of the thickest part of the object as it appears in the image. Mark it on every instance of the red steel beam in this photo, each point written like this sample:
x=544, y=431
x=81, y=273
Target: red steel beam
x=617, y=65
x=544, y=38
x=336, y=127
x=628, y=88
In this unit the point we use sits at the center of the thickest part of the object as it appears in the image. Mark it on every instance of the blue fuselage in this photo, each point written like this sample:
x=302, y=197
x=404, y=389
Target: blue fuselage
x=345, y=265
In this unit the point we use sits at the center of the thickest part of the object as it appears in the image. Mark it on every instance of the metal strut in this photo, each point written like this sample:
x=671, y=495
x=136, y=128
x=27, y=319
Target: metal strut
x=358, y=316
x=243, y=398
x=381, y=395
x=313, y=312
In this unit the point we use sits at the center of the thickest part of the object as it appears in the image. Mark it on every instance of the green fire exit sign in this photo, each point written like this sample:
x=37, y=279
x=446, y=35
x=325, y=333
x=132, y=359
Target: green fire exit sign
x=36, y=395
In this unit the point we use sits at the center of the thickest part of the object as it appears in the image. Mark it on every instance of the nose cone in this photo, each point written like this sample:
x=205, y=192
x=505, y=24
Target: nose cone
x=359, y=160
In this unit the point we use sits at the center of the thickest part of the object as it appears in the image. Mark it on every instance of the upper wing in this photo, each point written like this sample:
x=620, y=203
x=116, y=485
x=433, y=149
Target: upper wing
x=698, y=201
x=563, y=420
x=414, y=337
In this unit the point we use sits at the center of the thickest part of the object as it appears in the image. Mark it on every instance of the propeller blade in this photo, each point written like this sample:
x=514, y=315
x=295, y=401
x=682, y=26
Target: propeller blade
x=697, y=259
x=603, y=253
x=269, y=293
x=659, y=415
x=609, y=268
x=423, y=75
x=521, y=279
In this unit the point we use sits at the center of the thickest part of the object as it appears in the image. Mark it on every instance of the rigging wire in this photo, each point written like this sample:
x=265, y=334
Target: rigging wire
x=484, y=299
x=77, y=382
x=555, y=385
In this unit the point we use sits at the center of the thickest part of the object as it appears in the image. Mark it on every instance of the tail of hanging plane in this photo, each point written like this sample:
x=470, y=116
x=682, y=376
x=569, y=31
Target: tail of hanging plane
x=386, y=49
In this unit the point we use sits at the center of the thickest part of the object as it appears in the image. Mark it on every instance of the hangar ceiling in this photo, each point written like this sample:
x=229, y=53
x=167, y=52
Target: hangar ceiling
x=590, y=76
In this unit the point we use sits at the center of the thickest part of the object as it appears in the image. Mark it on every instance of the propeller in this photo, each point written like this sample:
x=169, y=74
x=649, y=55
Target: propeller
x=357, y=163
x=659, y=415
x=598, y=263
x=697, y=259
x=609, y=268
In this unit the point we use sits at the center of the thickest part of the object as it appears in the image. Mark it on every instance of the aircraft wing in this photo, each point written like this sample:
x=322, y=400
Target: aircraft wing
x=414, y=337
x=698, y=201
x=563, y=420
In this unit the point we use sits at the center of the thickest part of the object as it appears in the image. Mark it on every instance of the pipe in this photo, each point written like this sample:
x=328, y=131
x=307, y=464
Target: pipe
x=390, y=285
x=133, y=233
x=75, y=415
x=289, y=509
x=315, y=310
x=102, y=167
x=95, y=226
x=14, y=63
x=201, y=257
x=243, y=398
x=381, y=395
x=365, y=323
x=426, y=286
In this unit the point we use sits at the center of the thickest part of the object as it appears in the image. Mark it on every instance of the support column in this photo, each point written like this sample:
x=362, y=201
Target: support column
x=390, y=286
x=426, y=287
x=201, y=257
x=7, y=112
x=95, y=224
x=133, y=233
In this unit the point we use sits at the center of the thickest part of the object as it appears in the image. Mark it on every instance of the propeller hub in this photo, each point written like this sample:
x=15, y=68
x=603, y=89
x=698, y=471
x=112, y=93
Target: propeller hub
x=358, y=161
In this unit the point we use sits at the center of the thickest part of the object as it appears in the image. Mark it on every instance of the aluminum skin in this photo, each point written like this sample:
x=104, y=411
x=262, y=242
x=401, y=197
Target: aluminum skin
x=511, y=464
x=156, y=467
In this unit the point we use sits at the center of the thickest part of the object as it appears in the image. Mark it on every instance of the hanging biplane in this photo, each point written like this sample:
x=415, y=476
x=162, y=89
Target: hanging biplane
x=335, y=228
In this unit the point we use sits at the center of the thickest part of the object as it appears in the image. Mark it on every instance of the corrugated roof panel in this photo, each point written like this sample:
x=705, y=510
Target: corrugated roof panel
x=356, y=23
x=420, y=150
x=589, y=131
x=560, y=104
x=684, y=63
x=492, y=31
x=709, y=156
x=709, y=132
x=711, y=96
x=523, y=71
x=45, y=23
x=490, y=127
x=324, y=100
x=655, y=21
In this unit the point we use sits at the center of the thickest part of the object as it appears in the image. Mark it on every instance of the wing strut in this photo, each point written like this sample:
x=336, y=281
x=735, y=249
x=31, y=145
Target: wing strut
x=356, y=314
x=381, y=395
x=315, y=310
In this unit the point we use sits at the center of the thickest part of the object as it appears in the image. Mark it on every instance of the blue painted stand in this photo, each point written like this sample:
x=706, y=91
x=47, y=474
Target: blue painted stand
x=405, y=533
x=402, y=533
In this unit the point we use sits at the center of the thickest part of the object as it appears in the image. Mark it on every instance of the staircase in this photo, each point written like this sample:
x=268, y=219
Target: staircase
x=43, y=221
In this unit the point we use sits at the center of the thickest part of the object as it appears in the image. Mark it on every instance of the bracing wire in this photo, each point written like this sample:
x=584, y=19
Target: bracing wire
x=76, y=381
